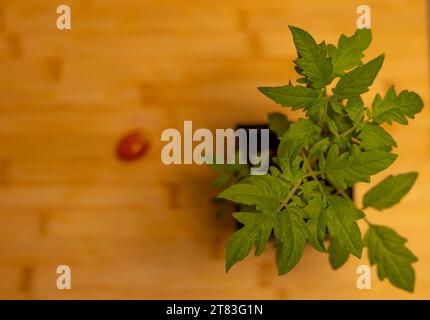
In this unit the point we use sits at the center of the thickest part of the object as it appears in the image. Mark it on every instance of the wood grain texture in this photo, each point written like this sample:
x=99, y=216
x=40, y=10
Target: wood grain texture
x=144, y=230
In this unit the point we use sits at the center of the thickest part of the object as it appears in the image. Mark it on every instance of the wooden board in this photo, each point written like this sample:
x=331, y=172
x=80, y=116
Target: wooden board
x=144, y=230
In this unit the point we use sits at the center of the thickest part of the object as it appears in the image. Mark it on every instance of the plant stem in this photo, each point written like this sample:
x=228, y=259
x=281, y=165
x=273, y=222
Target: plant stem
x=313, y=174
x=347, y=132
x=322, y=120
x=290, y=194
x=355, y=140
x=340, y=191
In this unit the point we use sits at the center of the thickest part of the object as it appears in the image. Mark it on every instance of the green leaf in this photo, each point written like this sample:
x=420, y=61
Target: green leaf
x=309, y=191
x=274, y=171
x=373, y=137
x=341, y=217
x=358, y=80
x=317, y=223
x=278, y=123
x=396, y=107
x=343, y=142
x=265, y=191
x=387, y=250
x=336, y=105
x=299, y=135
x=355, y=109
x=256, y=230
x=346, y=169
x=337, y=255
x=302, y=130
x=389, y=191
x=320, y=147
x=295, y=97
x=291, y=232
x=349, y=51
x=332, y=127
x=317, y=110
x=313, y=61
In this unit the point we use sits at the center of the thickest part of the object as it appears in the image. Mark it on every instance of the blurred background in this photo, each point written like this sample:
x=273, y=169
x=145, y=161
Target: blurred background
x=140, y=229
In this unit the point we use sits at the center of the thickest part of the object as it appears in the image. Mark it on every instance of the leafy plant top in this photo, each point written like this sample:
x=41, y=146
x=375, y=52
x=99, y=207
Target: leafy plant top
x=304, y=199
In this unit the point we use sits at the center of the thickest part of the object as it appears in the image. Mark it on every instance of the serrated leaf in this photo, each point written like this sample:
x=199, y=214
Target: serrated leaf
x=275, y=172
x=291, y=168
x=343, y=122
x=389, y=191
x=355, y=109
x=332, y=126
x=313, y=61
x=341, y=217
x=302, y=80
x=358, y=80
x=394, y=261
x=343, y=142
x=309, y=191
x=349, y=51
x=337, y=255
x=295, y=97
x=298, y=202
x=395, y=107
x=302, y=130
x=320, y=147
x=299, y=135
x=265, y=191
x=256, y=231
x=317, y=223
x=348, y=168
x=373, y=137
x=317, y=110
x=278, y=123
x=336, y=106
x=291, y=232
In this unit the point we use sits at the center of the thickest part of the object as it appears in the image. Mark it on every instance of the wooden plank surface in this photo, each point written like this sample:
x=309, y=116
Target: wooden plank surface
x=144, y=230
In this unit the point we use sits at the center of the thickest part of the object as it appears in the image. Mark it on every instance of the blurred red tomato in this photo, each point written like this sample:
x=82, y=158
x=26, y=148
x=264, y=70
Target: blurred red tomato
x=132, y=146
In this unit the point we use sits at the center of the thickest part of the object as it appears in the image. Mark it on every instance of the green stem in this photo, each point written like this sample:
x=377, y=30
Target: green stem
x=313, y=174
x=349, y=131
x=322, y=120
x=340, y=191
x=347, y=197
x=355, y=140
x=290, y=194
